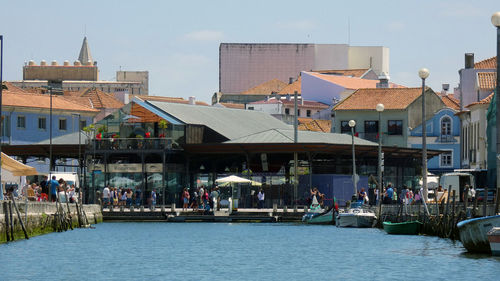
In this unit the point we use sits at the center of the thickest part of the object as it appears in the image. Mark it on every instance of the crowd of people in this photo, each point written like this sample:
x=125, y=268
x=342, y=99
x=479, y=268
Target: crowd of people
x=390, y=195
x=112, y=196
x=200, y=198
x=45, y=191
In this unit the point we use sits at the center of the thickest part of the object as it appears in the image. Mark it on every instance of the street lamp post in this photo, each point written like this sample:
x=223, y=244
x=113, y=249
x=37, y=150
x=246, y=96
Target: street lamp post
x=495, y=20
x=423, y=73
x=352, y=124
x=380, y=107
x=79, y=155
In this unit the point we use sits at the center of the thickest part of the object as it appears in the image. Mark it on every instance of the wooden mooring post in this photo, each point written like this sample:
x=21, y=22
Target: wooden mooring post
x=7, y=222
x=20, y=220
x=11, y=221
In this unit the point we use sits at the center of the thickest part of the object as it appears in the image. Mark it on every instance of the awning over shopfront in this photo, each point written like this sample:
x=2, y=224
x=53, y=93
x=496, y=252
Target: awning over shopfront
x=17, y=168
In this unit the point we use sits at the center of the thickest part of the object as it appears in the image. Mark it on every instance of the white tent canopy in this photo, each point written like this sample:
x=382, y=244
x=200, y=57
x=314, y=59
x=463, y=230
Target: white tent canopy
x=17, y=168
x=232, y=179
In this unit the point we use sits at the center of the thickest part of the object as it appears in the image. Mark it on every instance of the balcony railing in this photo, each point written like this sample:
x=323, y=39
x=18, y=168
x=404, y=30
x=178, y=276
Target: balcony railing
x=445, y=138
x=133, y=144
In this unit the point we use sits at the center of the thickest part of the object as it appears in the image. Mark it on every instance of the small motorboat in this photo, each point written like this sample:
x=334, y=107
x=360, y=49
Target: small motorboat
x=494, y=238
x=473, y=233
x=356, y=217
x=319, y=218
x=317, y=215
x=407, y=228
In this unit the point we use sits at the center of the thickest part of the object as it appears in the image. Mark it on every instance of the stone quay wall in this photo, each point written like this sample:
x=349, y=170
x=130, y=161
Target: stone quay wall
x=40, y=217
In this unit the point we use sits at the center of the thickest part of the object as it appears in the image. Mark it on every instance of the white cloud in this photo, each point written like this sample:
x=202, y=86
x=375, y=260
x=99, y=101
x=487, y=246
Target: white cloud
x=205, y=35
x=297, y=25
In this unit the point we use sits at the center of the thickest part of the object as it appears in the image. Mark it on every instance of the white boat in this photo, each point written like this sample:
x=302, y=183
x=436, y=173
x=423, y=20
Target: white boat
x=473, y=233
x=356, y=217
x=494, y=238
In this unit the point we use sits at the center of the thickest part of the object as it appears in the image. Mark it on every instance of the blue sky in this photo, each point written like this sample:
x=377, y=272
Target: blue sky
x=178, y=41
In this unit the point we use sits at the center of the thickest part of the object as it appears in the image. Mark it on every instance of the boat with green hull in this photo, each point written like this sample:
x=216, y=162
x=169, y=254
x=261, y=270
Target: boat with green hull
x=408, y=228
x=319, y=218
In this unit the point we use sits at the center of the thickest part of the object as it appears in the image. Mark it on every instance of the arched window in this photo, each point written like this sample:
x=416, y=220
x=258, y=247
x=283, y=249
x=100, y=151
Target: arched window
x=446, y=126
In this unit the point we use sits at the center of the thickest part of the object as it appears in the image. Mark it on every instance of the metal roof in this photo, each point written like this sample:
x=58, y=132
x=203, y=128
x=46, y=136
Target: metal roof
x=231, y=123
x=71, y=138
x=286, y=136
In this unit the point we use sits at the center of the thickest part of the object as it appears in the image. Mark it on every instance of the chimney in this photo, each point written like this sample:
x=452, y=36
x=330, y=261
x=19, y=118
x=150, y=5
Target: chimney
x=192, y=100
x=384, y=80
x=469, y=60
x=290, y=80
x=446, y=87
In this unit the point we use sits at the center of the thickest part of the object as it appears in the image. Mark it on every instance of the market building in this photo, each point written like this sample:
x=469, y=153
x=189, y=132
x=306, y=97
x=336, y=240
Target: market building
x=167, y=146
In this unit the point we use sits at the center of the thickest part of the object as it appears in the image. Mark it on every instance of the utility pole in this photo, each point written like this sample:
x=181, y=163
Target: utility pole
x=295, y=140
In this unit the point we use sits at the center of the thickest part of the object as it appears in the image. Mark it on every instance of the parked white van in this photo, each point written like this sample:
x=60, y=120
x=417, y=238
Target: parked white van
x=456, y=181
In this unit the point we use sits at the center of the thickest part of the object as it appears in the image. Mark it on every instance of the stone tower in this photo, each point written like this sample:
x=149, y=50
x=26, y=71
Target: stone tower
x=85, y=55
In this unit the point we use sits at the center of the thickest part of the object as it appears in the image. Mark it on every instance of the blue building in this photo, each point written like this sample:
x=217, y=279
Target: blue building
x=443, y=133
x=26, y=117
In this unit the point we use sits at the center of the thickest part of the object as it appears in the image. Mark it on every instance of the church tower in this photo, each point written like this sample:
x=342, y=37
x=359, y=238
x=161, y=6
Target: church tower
x=85, y=57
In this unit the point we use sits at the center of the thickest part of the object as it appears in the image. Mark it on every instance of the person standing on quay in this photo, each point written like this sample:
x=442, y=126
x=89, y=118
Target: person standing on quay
x=261, y=196
x=388, y=194
x=138, y=196
x=185, y=199
x=152, y=199
x=105, y=196
x=54, y=186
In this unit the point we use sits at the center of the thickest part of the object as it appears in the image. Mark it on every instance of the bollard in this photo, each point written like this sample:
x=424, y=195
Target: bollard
x=122, y=208
x=275, y=207
x=295, y=209
x=163, y=208
x=141, y=209
x=111, y=208
x=131, y=208
x=285, y=209
x=172, y=207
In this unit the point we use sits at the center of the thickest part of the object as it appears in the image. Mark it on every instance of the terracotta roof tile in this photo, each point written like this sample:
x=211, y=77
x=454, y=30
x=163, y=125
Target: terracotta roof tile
x=11, y=88
x=95, y=98
x=490, y=63
x=168, y=99
x=233, y=105
x=315, y=125
x=266, y=88
x=291, y=88
x=391, y=98
x=486, y=100
x=352, y=83
x=451, y=102
x=344, y=72
x=18, y=99
x=487, y=80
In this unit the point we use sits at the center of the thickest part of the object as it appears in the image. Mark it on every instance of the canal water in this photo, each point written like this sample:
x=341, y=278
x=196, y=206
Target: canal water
x=258, y=251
